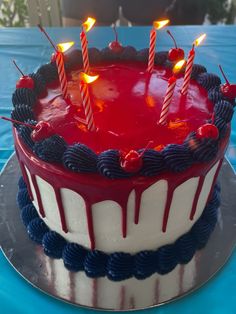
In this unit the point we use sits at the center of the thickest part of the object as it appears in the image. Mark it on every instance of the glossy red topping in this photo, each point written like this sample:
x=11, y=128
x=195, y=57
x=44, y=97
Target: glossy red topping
x=126, y=103
x=208, y=131
x=131, y=162
x=42, y=130
x=25, y=82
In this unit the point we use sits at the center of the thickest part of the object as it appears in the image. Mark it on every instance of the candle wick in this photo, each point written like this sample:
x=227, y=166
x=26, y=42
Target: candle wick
x=46, y=34
x=14, y=62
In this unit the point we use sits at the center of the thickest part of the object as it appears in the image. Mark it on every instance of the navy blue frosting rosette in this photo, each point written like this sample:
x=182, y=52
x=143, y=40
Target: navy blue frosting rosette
x=118, y=266
x=80, y=158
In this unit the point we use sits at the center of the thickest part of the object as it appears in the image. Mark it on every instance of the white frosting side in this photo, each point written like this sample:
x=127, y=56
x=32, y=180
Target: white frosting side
x=145, y=235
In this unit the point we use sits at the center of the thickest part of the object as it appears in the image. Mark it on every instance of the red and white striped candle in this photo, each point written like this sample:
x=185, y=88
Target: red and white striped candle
x=86, y=26
x=169, y=93
x=84, y=47
x=188, y=72
x=152, y=49
x=189, y=66
x=60, y=66
x=167, y=100
x=61, y=73
x=152, y=42
x=85, y=97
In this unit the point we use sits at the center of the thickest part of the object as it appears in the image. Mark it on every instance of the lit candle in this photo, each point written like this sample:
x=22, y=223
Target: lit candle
x=170, y=92
x=152, y=42
x=59, y=61
x=86, y=26
x=84, y=92
x=61, y=68
x=189, y=66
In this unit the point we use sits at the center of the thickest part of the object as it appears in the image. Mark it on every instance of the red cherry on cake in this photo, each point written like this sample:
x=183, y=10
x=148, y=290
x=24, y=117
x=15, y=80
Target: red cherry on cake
x=175, y=54
x=115, y=46
x=131, y=162
x=42, y=130
x=207, y=131
x=227, y=89
x=25, y=82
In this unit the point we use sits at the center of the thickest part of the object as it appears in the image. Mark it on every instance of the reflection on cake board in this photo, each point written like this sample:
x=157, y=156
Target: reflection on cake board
x=50, y=276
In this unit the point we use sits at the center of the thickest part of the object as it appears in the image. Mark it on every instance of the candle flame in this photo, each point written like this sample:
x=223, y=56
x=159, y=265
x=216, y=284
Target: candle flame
x=87, y=78
x=62, y=47
x=199, y=39
x=178, y=66
x=88, y=24
x=160, y=24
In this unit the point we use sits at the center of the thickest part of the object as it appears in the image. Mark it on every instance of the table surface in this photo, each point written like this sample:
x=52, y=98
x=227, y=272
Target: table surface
x=30, y=49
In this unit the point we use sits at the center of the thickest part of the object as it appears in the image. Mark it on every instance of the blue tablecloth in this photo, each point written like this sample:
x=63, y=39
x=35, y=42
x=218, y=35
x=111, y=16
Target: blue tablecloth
x=30, y=49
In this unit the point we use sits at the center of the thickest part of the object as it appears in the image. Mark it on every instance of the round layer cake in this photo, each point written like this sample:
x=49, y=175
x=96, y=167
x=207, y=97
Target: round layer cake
x=133, y=185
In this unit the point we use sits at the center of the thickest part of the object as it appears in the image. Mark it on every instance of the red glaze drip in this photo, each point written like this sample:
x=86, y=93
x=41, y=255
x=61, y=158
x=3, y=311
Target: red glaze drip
x=170, y=192
x=197, y=194
x=122, y=297
x=89, y=214
x=26, y=179
x=138, y=194
x=214, y=179
x=38, y=195
x=95, y=293
x=61, y=209
x=157, y=291
x=126, y=103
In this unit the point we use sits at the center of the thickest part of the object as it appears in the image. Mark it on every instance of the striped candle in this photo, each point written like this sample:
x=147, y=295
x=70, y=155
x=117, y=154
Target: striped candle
x=152, y=48
x=152, y=42
x=87, y=106
x=61, y=73
x=189, y=66
x=170, y=92
x=188, y=72
x=84, y=47
x=167, y=100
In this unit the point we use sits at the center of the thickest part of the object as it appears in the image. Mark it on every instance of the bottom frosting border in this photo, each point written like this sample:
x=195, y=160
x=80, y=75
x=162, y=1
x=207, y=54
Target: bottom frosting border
x=119, y=266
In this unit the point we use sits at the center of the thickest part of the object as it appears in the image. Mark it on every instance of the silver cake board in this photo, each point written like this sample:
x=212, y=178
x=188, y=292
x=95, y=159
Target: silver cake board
x=50, y=276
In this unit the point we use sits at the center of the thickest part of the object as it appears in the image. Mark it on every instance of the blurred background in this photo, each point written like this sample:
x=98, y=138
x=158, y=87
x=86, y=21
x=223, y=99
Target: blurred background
x=23, y=13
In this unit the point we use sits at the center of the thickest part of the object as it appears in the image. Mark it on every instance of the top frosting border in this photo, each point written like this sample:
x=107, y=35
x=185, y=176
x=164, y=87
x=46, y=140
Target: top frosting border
x=80, y=158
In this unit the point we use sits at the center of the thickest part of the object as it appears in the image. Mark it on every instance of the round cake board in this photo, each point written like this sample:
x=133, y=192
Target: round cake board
x=50, y=276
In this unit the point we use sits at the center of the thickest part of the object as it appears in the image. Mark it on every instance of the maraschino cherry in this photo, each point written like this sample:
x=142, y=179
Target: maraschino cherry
x=175, y=54
x=132, y=161
x=207, y=130
x=115, y=46
x=41, y=131
x=227, y=89
x=25, y=81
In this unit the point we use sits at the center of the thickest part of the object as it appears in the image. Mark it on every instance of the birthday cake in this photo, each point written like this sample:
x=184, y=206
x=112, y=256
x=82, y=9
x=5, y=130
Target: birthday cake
x=132, y=197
